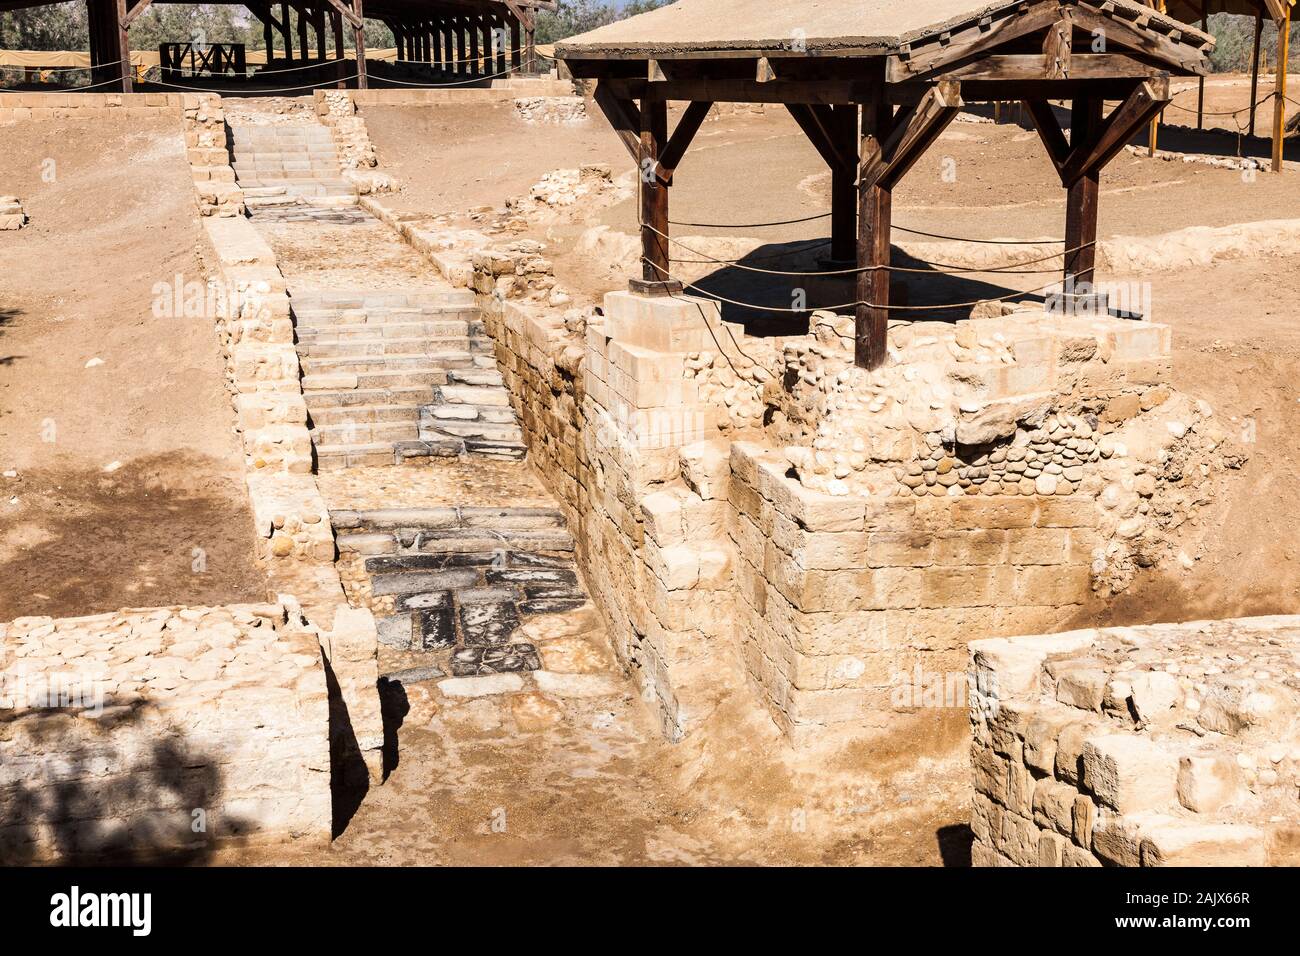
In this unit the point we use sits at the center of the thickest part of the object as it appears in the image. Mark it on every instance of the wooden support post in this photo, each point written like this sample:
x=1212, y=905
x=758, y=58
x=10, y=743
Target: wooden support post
x=654, y=199
x=359, y=37
x=1279, y=101
x=1154, y=133
x=304, y=50
x=286, y=26
x=340, y=58
x=124, y=47
x=530, y=43
x=268, y=35
x=844, y=197
x=516, y=61
x=1254, y=67
x=318, y=26
x=475, y=67
x=462, y=48
x=875, y=219
x=1200, y=85
x=1081, y=201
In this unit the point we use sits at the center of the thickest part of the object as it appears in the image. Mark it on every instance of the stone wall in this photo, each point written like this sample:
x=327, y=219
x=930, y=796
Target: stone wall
x=121, y=106
x=209, y=157
x=12, y=214
x=1165, y=745
x=758, y=509
x=161, y=734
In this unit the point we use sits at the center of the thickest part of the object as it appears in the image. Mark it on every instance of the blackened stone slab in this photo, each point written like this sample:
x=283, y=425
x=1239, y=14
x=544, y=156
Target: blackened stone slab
x=413, y=582
x=428, y=562
x=437, y=628
x=500, y=659
x=483, y=624
x=413, y=675
x=551, y=606
x=528, y=576
x=419, y=602
x=535, y=559
x=486, y=596
x=396, y=631
x=554, y=591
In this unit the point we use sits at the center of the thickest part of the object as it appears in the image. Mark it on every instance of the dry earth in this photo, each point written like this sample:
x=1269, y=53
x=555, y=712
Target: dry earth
x=76, y=288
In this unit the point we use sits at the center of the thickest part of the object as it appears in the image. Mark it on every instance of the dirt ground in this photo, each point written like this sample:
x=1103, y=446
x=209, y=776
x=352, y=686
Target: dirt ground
x=128, y=486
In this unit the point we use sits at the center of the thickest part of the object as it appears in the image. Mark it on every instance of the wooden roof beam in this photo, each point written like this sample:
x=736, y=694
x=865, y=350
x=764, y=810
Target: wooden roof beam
x=915, y=129
x=689, y=124
x=1144, y=103
x=623, y=115
x=818, y=125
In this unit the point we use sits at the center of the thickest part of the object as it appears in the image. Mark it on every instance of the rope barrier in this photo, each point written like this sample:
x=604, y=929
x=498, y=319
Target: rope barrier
x=1010, y=268
x=439, y=86
x=283, y=89
x=60, y=69
x=846, y=305
x=747, y=225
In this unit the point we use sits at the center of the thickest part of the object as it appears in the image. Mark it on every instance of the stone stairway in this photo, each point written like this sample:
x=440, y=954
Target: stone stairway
x=286, y=166
x=394, y=376
x=462, y=583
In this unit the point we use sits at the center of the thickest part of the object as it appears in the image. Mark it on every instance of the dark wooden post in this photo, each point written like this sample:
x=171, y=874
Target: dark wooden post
x=340, y=59
x=359, y=37
x=530, y=33
x=844, y=193
x=304, y=48
x=268, y=36
x=500, y=36
x=124, y=47
x=286, y=26
x=654, y=197
x=875, y=215
x=1081, y=201
x=1254, y=67
x=515, y=53
x=1279, y=101
x=475, y=68
x=462, y=48
x=318, y=24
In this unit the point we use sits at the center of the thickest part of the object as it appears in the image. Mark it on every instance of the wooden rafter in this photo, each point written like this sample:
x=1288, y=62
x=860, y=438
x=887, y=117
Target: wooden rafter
x=689, y=124
x=623, y=115
x=1116, y=130
x=817, y=122
x=914, y=130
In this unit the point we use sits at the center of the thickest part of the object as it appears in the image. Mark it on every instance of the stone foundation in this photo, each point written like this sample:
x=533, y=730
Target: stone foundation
x=1166, y=745
x=161, y=734
x=759, y=510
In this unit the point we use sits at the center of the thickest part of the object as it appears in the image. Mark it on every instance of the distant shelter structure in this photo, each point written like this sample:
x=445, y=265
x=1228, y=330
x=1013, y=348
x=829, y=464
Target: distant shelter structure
x=473, y=39
x=1279, y=11
x=873, y=86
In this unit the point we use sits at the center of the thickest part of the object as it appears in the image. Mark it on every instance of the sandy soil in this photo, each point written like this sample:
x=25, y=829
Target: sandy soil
x=78, y=286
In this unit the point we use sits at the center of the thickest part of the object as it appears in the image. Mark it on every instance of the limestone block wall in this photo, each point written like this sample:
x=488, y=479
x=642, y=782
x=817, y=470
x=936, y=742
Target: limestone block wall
x=758, y=509
x=16, y=106
x=841, y=599
x=12, y=214
x=205, y=146
x=296, y=539
x=161, y=734
x=1166, y=745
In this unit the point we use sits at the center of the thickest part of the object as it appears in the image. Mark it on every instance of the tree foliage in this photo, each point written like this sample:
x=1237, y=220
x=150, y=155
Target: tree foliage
x=579, y=16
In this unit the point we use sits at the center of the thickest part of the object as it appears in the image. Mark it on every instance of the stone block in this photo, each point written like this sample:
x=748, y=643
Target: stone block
x=1130, y=773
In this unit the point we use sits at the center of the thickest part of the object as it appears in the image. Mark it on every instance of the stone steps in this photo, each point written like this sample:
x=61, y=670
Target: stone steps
x=323, y=301
x=388, y=362
x=407, y=397
x=364, y=332
x=364, y=433
x=327, y=416
x=374, y=348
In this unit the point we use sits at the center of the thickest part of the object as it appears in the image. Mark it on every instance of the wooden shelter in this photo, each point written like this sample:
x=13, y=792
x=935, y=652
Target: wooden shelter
x=1280, y=12
x=464, y=37
x=872, y=85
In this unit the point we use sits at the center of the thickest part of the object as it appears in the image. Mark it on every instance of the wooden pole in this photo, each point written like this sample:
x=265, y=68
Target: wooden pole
x=340, y=58
x=123, y=47
x=844, y=192
x=1254, y=67
x=304, y=47
x=515, y=52
x=1153, y=134
x=1279, y=101
x=1200, y=86
x=1081, y=202
x=654, y=193
x=359, y=37
x=475, y=68
x=875, y=215
x=286, y=27
x=268, y=36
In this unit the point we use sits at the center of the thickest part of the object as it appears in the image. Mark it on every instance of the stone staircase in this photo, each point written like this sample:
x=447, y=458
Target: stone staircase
x=290, y=165
x=464, y=581
x=394, y=376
